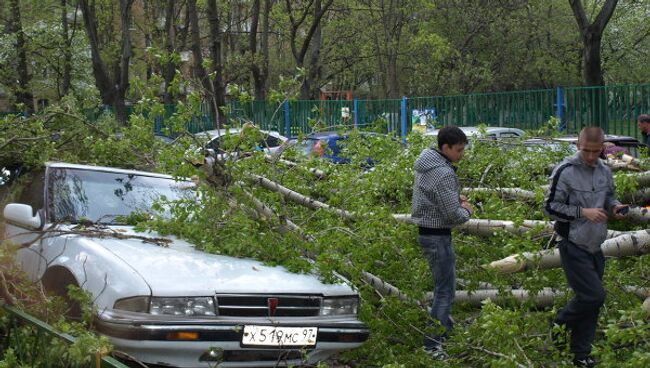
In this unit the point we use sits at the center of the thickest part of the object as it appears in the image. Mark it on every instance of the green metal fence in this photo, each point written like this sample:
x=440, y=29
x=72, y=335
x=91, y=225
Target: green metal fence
x=614, y=108
x=42, y=346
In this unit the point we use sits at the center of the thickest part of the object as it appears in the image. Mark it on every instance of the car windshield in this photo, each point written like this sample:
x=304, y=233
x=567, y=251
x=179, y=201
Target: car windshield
x=107, y=197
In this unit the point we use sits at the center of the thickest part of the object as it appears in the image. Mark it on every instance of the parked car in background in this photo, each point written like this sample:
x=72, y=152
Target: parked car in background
x=234, y=142
x=484, y=132
x=328, y=145
x=159, y=299
x=613, y=143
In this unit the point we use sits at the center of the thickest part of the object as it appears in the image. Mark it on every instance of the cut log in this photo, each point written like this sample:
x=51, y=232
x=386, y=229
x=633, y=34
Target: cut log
x=639, y=215
x=485, y=227
x=640, y=197
x=543, y=298
x=514, y=193
x=629, y=244
x=646, y=305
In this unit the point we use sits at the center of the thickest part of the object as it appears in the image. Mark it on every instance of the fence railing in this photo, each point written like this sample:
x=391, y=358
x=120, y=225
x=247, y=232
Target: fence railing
x=43, y=346
x=614, y=108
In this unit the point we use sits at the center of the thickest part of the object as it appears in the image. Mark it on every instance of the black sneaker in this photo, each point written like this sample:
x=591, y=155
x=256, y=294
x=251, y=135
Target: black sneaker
x=587, y=362
x=437, y=353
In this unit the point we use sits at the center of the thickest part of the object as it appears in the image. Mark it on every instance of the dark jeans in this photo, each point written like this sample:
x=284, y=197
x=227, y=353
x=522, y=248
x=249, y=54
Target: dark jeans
x=439, y=253
x=584, y=273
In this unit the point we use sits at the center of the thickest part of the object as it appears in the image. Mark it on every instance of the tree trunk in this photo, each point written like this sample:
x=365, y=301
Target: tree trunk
x=169, y=69
x=112, y=88
x=591, y=35
x=259, y=68
x=310, y=40
x=199, y=70
x=630, y=244
x=310, y=87
x=23, y=93
x=67, y=51
x=218, y=86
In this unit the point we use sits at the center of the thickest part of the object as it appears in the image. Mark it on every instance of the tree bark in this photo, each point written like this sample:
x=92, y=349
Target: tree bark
x=216, y=37
x=197, y=53
x=169, y=69
x=112, y=87
x=23, y=93
x=300, y=51
x=259, y=67
x=630, y=244
x=66, y=76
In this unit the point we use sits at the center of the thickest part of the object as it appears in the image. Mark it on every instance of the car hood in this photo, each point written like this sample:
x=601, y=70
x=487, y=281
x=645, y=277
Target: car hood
x=180, y=270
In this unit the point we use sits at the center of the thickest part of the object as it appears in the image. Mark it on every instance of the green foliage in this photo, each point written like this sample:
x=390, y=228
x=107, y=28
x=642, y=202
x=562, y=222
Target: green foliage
x=221, y=221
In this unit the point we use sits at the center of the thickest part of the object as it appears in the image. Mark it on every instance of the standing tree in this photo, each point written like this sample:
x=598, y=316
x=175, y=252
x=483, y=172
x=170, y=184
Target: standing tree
x=311, y=39
x=259, y=65
x=592, y=34
x=23, y=93
x=112, y=75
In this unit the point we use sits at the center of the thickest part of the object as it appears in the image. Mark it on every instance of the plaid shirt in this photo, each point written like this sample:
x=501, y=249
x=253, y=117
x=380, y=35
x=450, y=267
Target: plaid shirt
x=436, y=193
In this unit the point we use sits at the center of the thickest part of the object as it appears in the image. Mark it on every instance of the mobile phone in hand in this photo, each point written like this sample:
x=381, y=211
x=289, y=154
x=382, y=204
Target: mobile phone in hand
x=623, y=210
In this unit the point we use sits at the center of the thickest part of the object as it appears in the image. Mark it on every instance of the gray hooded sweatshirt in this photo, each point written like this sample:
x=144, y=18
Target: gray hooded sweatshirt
x=436, y=193
x=576, y=185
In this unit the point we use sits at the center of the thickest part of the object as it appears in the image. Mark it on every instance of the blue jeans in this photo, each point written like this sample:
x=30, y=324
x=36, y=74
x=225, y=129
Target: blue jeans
x=439, y=253
x=584, y=273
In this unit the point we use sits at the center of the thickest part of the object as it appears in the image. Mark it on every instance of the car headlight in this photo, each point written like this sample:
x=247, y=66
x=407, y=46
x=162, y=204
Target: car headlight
x=187, y=306
x=339, y=306
x=183, y=306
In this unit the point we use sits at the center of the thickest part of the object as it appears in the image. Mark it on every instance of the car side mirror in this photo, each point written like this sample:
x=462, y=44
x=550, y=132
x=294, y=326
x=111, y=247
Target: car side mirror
x=22, y=215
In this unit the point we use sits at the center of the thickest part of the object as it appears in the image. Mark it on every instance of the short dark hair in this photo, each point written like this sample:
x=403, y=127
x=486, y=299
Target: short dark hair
x=451, y=135
x=591, y=134
x=643, y=118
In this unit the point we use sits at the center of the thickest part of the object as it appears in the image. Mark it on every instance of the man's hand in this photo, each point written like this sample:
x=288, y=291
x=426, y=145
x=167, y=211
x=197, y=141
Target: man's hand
x=466, y=205
x=594, y=214
x=618, y=214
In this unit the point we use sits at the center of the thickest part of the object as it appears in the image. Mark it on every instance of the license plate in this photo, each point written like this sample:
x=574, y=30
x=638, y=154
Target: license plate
x=279, y=336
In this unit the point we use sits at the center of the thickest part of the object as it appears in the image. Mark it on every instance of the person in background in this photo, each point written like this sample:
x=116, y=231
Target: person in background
x=580, y=199
x=437, y=207
x=643, y=122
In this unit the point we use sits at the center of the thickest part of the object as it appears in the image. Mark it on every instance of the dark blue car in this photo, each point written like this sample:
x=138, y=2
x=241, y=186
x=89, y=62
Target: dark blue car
x=328, y=146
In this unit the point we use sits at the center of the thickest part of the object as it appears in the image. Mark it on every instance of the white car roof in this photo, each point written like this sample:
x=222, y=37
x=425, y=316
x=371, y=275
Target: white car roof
x=65, y=165
x=474, y=131
x=219, y=132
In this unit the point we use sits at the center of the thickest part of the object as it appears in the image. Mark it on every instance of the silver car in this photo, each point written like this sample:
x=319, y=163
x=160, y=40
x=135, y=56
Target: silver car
x=218, y=140
x=159, y=299
x=490, y=132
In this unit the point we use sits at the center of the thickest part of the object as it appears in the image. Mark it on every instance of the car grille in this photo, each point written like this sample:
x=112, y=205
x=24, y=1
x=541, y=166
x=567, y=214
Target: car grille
x=238, y=305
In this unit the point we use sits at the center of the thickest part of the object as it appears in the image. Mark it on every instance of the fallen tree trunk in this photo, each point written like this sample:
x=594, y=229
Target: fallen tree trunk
x=629, y=244
x=515, y=193
x=639, y=215
x=317, y=173
x=543, y=298
x=485, y=227
x=297, y=197
x=640, y=197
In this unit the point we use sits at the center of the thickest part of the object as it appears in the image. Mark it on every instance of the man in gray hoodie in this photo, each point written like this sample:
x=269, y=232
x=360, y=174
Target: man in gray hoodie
x=580, y=198
x=437, y=206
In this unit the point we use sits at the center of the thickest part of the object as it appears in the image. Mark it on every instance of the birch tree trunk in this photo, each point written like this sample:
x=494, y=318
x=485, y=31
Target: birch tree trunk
x=629, y=244
x=515, y=193
x=297, y=197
